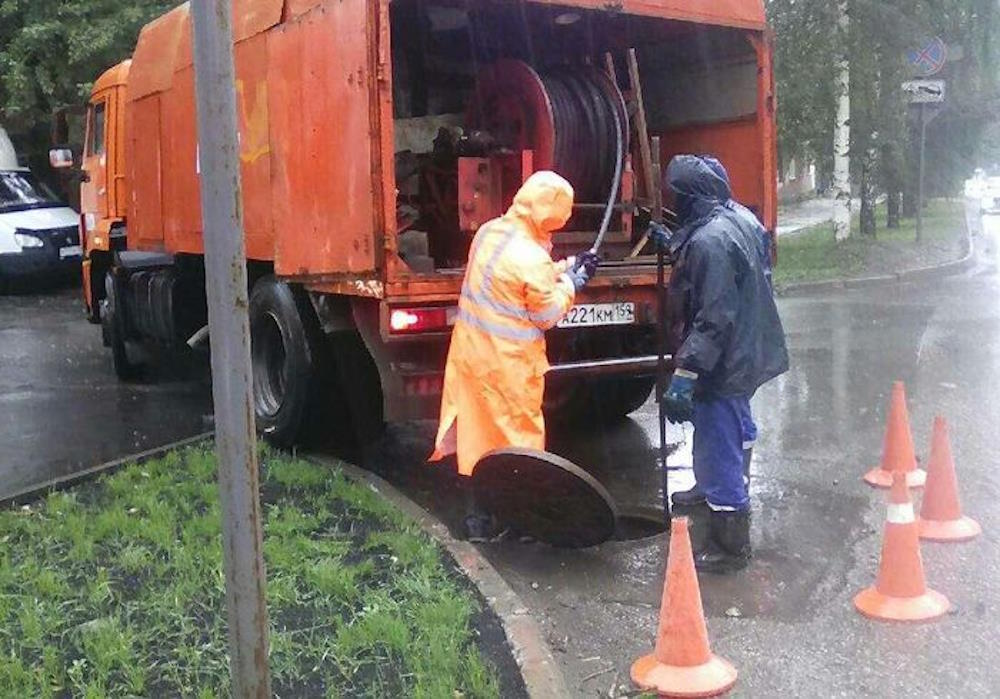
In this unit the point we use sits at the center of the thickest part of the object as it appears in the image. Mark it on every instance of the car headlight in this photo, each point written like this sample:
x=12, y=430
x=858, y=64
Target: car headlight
x=28, y=241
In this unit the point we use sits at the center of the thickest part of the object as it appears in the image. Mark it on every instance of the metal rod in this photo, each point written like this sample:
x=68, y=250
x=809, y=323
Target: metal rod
x=226, y=289
x=920, y=183
x=661, y=331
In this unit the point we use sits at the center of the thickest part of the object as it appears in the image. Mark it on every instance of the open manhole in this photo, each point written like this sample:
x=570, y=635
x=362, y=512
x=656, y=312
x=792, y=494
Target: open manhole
x=546, y=497
x=637, y=523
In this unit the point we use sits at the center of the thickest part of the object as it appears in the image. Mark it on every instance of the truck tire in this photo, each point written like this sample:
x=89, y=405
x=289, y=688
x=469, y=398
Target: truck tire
x=597, y=401
x=99, y=265
x=284, y=348
x=113, y=331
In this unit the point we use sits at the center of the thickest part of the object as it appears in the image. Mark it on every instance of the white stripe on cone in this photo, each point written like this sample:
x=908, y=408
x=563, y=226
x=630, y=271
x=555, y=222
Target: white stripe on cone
x=900, y=513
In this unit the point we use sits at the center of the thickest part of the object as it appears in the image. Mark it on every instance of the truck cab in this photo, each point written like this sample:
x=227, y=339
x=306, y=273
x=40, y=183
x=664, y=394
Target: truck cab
x=103, y=190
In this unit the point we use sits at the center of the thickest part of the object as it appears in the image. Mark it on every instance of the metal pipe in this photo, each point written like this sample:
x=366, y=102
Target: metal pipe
x=226, y=290
x=198, y=338
x=661, y=334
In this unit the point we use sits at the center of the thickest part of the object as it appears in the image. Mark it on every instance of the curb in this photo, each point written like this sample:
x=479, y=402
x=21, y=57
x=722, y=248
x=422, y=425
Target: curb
x=542, y=676
x=945, y=269
x=76, y=477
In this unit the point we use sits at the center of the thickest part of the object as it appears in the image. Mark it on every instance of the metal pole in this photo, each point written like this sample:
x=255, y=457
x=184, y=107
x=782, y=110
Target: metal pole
x=920, y=183
x=229, y=329
x=661, y=328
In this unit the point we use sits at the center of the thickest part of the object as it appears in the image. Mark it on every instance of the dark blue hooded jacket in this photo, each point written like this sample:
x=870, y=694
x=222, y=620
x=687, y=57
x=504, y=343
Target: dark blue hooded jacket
x=731, y=333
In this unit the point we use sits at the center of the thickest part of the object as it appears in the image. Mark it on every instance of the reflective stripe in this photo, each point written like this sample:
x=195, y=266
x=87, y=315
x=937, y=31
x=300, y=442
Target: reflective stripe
x=547, y=316
x=749, y=444
x=720, y=508
x=900, y=513
x=484, y=297
x=503, y=331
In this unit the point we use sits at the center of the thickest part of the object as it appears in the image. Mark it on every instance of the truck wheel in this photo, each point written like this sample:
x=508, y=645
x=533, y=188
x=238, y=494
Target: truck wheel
x=97, y=270
x=598, y=401
x=284, y=361
x=113, y=331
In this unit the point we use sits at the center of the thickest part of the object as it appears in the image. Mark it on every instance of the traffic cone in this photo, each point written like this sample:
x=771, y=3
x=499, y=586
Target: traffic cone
x=897, y=451
x=941, y=517
x=682, y=664
x=900, y=593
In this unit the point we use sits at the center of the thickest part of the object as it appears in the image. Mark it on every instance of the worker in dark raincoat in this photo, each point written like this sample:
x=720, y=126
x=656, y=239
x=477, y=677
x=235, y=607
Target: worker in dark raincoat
x=732, y=342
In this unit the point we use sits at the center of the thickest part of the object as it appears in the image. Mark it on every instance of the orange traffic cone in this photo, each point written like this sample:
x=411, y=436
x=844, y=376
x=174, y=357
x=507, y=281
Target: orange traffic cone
x=682, y=664
x=897, y=451
x=941, y=517
x=900, y=593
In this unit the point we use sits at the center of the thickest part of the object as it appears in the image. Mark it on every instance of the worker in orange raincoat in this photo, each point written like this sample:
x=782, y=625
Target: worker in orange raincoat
x=512, y=293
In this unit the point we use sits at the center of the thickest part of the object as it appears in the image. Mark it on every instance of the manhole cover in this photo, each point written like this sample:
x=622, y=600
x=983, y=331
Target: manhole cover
x=545, y=496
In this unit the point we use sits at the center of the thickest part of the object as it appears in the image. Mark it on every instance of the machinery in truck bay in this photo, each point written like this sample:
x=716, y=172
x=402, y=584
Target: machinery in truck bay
x=375, y=138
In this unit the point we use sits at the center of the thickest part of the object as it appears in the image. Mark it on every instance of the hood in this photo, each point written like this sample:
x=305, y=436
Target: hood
x=700, y=183
x=544, y=203
x=39, y=219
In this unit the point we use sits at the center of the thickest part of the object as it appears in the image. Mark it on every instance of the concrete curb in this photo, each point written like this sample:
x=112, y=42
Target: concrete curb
x=72, y=479
x=967, y=261
x=541, y=673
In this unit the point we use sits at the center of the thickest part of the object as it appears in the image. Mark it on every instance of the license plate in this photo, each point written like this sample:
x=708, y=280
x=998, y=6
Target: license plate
x=70, y=251
x=593, y=314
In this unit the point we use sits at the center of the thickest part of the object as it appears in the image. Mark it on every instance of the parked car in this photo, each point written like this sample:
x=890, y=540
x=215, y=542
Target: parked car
x=39, y=235
x=989, y=202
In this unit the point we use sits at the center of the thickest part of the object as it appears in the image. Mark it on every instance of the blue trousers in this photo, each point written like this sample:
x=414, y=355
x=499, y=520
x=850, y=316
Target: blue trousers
x=723, y=427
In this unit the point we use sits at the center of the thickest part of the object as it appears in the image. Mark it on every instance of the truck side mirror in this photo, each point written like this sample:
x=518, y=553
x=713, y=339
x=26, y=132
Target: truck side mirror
x=61, y=158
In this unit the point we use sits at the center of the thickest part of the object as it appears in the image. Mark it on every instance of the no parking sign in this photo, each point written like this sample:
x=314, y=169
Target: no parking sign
x=929, y=59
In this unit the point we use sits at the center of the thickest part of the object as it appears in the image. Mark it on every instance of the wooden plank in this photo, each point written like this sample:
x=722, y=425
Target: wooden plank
x=645, y=158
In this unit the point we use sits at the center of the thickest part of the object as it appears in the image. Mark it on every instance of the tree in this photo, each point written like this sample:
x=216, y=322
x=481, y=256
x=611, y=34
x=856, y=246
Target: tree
x=52, y=51
x=882, y=130
x=805, y=73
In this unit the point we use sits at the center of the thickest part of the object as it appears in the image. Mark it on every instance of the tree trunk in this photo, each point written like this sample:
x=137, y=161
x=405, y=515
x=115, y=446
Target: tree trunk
x=909, y=180
x=842, y=135
x=868, y=193
x=892, y=198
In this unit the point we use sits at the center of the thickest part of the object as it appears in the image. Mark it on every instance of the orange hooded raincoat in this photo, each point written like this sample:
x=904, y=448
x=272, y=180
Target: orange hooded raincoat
x=513, y=291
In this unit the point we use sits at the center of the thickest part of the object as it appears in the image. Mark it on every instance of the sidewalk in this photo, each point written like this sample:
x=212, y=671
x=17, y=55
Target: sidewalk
x=797, y=216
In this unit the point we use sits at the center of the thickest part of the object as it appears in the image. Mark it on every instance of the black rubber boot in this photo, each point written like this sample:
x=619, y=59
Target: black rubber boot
x=688, y=498
x=727, y=548
x=747, y=457
x=478, y=523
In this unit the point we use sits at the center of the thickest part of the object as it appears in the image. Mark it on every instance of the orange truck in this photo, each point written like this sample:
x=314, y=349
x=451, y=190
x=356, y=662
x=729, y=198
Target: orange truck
x=375, y=137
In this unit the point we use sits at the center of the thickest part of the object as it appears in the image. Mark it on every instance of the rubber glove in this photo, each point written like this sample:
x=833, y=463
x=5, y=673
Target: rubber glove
x=578, y=276
x=659, y=234
x=586, y=259
x=678, y=401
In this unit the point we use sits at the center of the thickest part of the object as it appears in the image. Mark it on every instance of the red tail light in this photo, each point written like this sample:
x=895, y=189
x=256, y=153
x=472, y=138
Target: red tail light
x=407, y=321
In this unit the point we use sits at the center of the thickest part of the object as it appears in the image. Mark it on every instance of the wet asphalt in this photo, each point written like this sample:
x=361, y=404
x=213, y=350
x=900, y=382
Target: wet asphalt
x=62, y=408
x=787, y=622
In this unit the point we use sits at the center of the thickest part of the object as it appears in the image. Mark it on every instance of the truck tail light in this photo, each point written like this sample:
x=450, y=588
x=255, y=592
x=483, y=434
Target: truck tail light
x=408, y=321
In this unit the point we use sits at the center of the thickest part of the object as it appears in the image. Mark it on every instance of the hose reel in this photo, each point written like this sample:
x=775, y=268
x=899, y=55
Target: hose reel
x=572, y=118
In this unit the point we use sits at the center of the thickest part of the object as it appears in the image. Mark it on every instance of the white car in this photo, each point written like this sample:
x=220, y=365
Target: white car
x=989, y=202
x=39, y=235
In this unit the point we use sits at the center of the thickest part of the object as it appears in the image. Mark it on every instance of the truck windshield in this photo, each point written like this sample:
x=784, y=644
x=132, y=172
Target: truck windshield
x=20, y=191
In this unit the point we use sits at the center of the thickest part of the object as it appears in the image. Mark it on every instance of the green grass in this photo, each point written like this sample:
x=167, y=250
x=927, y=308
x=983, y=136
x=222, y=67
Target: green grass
x=814, y=255
x=116, y=589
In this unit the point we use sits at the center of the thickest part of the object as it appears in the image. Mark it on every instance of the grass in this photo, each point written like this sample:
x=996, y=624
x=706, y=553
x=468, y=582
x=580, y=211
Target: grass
x=814, y=255
x=116, y=589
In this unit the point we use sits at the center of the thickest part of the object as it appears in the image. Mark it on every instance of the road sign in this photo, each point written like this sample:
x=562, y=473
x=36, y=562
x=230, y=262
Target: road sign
x=924, y=91
x=929, y=59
